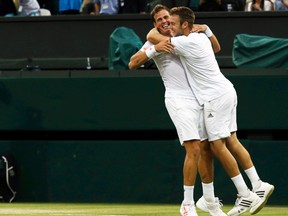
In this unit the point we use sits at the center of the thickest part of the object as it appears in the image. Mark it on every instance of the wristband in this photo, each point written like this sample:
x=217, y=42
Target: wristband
x=208, y=32
x=151, y=52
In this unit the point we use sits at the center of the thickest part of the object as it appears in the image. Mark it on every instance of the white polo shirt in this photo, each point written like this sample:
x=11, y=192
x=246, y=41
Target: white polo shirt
x=203, y=72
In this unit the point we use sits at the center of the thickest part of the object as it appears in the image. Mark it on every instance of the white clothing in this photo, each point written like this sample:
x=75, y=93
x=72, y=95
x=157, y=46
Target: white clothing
x=212, y=90
x=29, y=7
x=186, y=114
x=199, y=61
x=172, y=74
x=180, y=101
x=220, y=116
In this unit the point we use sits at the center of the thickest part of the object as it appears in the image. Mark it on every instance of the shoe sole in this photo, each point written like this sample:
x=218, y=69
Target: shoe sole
x=263, y=203
x=236, y=214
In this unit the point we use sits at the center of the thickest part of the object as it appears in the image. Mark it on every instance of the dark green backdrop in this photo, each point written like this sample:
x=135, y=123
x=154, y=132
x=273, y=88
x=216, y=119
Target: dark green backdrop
x=126, y=148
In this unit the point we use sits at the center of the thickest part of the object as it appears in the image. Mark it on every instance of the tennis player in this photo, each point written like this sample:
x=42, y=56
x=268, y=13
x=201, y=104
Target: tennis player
x=219, y=100
x=182, y=107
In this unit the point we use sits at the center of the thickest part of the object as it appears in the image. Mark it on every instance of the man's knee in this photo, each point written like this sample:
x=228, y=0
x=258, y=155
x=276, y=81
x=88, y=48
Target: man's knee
x=192, y=147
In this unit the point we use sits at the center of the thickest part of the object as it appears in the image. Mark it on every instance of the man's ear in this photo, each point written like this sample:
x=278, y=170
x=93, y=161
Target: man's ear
x=154, y=25
x=185, y=25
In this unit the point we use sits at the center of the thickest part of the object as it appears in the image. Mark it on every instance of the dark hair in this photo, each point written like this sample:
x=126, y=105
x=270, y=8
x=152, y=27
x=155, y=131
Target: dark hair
x=185, y=14
x=156, y=9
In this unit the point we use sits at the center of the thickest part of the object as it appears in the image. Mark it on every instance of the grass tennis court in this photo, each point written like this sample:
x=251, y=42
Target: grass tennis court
x=59, y=209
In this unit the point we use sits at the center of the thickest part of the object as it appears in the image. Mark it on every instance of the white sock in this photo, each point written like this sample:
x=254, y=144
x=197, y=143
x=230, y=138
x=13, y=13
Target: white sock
x=240, y=185
x=253, y=177
x=188, y=194
x=208, y=192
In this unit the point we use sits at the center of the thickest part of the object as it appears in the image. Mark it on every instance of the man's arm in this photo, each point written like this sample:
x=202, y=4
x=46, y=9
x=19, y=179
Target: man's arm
x=155, y=37
x=215, y=44
x=141, y=57
x=214, y=41
x=137, y=60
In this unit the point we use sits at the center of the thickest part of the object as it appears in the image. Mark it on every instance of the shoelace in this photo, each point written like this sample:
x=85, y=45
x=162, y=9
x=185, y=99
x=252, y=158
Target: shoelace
x=237, y=200
x=219, y=202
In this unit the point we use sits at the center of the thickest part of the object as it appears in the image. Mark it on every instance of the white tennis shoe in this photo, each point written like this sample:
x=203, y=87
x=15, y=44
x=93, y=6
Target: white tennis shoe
x=214, y=208
x=253, y=203
x=264, y=191
x=188, y=209
x=202, y=204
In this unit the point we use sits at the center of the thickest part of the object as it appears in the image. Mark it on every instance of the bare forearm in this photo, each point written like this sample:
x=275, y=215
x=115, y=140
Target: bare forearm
x=155, y=37
x=213, y=39
x=137, y=60
x=215, y=44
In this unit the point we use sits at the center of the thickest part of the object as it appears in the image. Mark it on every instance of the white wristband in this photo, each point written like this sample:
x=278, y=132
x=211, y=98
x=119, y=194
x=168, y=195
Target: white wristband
x=151, y=52
x=208, y=32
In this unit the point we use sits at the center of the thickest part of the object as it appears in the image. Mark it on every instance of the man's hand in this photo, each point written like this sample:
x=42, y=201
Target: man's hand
x=164, y=46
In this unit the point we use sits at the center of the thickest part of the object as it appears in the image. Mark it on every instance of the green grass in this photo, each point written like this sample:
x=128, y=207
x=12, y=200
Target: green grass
x=51, y=209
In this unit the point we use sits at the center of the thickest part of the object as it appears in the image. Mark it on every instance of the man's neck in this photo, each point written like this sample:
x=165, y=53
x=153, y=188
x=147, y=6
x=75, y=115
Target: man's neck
x=187, y=31
x=165, y=33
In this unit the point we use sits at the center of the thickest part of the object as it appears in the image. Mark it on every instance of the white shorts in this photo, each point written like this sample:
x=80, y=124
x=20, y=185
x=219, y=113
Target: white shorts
x=220, y=116
x=187, y=117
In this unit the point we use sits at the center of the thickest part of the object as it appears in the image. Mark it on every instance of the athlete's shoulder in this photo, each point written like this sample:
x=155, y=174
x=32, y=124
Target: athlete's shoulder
x=196, y=35
x=179, y=40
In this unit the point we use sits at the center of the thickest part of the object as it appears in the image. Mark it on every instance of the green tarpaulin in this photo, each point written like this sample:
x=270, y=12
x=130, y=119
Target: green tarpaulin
x=123, y=43
x=255, y=51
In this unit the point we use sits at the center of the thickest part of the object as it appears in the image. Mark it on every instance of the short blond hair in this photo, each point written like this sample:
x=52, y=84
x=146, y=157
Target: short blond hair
x=185, y=14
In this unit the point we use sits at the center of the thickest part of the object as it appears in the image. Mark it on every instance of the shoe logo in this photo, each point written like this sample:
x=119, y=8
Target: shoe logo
x=245, y=203
x=210, y=115
x=260, y=193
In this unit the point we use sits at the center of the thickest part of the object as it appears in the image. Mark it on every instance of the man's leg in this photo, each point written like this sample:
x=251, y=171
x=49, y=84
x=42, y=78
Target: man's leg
x=206, y=171
x=262, y=189
x=239, y=152
x=208, y=202
x=189, y=177
x=225, y=157
x=190, y=165
x=247, y=200
x=205, y=163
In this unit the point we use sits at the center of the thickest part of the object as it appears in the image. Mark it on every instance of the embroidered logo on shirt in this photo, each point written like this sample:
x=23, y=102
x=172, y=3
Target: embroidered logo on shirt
x=210, y=115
